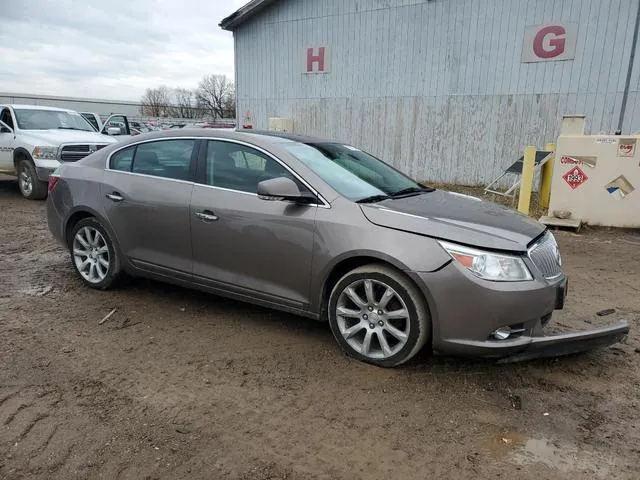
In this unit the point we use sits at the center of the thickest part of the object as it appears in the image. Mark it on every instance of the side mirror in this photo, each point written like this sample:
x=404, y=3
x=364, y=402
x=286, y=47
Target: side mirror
x=5, y=129
x=283, y=188
x=114, y=131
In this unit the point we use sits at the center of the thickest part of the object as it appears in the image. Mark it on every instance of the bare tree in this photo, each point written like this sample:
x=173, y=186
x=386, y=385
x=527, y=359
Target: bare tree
x=184, y=103
x=214, y=93
x=155, y=101
x=230, y=105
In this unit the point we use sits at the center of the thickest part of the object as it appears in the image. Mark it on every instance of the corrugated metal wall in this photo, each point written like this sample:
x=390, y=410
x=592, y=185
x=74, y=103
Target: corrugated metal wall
x=436, y=86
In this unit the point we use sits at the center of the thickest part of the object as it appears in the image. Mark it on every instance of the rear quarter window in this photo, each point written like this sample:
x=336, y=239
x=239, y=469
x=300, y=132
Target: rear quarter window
x=122, y=160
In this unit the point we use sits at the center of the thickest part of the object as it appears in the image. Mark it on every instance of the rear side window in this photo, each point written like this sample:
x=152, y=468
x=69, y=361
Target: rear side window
x=122, y=160
x=164, y=158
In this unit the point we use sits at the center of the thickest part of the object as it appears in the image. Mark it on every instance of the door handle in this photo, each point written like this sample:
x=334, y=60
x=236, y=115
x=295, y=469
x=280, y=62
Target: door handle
x=115, y=196
x=207, y=216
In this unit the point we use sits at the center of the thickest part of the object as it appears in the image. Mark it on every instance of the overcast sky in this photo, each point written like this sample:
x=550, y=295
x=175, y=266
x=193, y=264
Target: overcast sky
x=112, y=49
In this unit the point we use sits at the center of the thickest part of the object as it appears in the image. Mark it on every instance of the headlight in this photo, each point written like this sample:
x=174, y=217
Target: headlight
x=496, y=267
x=45, y=153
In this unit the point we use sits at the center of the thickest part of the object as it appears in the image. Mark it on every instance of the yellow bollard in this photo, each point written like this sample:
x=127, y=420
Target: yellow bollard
x=547, y=176
x=526, y=181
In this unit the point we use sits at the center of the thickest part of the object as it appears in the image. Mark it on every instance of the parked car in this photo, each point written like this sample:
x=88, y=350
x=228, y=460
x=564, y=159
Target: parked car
x=35, y=139
x=141, y=127
x=321, y=229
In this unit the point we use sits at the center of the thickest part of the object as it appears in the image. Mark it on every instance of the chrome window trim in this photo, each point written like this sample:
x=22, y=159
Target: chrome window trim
x=130, y=145
x=325, y=203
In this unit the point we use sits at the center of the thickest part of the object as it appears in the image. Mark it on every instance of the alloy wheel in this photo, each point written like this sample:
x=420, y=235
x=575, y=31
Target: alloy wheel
x=373, y=318
x=25, y=181
x=91, y=254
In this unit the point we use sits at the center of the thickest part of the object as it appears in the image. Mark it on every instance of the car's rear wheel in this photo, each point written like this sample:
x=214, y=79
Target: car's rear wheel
x=30, y=186
x=379, y=316
x=93, y=254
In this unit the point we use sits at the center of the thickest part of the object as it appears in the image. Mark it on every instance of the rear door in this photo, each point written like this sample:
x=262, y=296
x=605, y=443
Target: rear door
x=147, y=190
x=257, y=248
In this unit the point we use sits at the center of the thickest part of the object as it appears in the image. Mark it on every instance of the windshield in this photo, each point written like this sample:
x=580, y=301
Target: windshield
x=351, y=172
x=29, y=119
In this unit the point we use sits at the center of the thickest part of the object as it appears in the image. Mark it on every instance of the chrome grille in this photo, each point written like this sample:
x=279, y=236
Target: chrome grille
x=73, y=153
x=545, y=256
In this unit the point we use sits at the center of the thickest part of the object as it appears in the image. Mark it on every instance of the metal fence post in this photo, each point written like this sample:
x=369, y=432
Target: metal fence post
x=526, y=182
x=547, y=176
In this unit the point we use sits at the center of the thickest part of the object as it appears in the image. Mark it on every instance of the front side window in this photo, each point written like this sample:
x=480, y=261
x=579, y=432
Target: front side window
x=351, y=172
x=165, y=158
x=32, y=119
x=237, y=167
x=5, y=117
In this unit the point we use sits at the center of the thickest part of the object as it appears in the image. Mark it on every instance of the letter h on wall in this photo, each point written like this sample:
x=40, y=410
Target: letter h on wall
x=316, y=60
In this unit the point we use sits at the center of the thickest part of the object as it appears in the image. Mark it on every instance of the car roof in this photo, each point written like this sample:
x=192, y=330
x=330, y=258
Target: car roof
x=258, y=136
x=37, y=107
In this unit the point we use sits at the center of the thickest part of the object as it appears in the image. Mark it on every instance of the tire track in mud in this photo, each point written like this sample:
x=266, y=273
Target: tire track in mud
x=31, y=419
x=90, y=430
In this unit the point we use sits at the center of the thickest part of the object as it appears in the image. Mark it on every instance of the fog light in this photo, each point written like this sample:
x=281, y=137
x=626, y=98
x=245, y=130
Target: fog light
x=502, y=333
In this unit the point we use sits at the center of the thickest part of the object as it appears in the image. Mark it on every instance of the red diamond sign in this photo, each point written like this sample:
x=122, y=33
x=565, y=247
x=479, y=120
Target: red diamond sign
x=575, y=177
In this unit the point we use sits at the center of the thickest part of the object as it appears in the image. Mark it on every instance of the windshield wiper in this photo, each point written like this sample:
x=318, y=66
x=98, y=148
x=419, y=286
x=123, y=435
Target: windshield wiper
x=411, y=190
x=373, y=199
x=71, y=128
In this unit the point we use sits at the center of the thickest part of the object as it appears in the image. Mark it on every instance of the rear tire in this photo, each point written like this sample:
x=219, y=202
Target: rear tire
x=30, y=186
x=379, y=316
x=93, y=254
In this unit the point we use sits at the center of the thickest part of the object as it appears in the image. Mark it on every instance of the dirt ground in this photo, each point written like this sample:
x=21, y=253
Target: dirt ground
x=178, y=384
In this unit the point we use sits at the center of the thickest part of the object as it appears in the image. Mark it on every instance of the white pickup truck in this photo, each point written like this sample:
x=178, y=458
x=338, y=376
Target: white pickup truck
x=35, y=139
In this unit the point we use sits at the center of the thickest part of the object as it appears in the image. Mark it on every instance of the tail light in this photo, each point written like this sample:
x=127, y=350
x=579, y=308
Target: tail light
x=53, y=179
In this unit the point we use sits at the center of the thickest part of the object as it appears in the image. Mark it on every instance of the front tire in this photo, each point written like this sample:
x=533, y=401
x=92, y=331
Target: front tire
x=379, y=316
x=31, y=187
x=93, y=254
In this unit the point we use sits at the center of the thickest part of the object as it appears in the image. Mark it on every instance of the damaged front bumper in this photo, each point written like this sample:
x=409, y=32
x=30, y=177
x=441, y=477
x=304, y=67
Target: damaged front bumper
x=468, y=314
x=569, y=343
x=544, y=346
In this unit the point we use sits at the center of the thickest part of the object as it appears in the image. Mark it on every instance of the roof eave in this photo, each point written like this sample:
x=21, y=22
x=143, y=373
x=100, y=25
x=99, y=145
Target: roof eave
x=244, y=13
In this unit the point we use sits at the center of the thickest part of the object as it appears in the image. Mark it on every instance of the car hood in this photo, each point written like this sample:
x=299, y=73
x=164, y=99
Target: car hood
x=56, y=137
x=458, y=218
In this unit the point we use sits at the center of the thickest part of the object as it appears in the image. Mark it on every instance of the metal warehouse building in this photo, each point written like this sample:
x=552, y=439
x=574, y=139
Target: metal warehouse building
x=448, y=90
x=101, y=107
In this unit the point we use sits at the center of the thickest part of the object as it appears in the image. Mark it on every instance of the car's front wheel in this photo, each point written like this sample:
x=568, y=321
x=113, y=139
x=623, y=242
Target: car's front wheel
x=93, y=254
x=378, y=315
x=30, y=185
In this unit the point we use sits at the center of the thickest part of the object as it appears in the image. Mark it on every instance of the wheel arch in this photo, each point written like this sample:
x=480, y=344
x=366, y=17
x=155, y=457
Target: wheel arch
x=80, y=213
x=20, y=153
x=343, y=264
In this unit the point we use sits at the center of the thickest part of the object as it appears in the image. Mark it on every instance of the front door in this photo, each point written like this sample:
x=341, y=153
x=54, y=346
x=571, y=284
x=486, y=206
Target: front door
x=7, y=140
x=257, y=248
x=147, y=191
x=117, y=125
